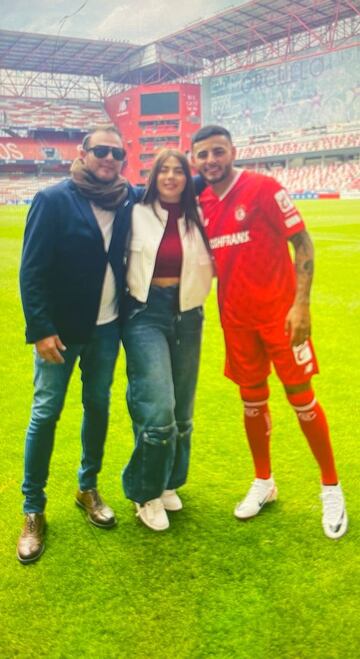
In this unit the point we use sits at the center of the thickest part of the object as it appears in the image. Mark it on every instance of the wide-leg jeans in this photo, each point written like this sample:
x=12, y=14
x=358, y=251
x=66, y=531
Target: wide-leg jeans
x=162, y=352
x=97, y=362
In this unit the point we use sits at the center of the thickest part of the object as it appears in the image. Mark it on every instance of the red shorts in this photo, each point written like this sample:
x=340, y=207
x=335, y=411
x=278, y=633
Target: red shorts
x=249, y=354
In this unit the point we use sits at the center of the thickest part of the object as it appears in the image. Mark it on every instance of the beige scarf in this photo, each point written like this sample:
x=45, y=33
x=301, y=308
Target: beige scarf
x=107, y=195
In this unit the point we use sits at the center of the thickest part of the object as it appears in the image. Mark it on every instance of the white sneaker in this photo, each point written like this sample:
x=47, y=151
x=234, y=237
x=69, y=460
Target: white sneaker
x=153, y=514
x=261, y=491
x=171, y=500
x=334, y=520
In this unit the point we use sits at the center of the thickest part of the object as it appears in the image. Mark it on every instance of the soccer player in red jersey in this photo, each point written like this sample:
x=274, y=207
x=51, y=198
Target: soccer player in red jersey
x=264, y=310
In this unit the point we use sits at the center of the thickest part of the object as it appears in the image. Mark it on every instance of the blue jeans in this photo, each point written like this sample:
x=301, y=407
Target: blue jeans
x=97, y=362
x=162, y=353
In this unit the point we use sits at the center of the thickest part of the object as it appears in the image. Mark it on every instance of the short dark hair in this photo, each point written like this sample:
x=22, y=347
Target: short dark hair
x=209, y=131
x=100, y=128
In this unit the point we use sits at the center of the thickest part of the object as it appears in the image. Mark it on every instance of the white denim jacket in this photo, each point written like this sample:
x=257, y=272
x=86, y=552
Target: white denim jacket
x=146, y=233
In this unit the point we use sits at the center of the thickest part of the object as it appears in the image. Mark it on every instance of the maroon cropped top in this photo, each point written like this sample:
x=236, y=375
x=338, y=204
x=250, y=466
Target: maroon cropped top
x=169, y=257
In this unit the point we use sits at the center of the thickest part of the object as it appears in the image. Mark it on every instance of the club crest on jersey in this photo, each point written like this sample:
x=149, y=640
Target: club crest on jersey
x=283, y=201
x=240, y=213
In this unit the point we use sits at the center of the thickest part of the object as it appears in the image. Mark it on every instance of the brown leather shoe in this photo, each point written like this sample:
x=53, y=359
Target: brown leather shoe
x=31, y=542
x=98, y=512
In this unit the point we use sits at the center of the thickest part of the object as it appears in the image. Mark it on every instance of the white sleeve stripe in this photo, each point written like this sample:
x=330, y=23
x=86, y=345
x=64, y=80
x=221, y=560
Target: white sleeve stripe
x=294, y=219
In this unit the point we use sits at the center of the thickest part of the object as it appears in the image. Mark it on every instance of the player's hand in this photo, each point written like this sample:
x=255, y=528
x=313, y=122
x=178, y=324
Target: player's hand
x=49, y=349
x=298, y=324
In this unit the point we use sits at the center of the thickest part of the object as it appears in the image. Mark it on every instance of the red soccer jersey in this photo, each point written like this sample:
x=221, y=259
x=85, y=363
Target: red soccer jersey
x=248, y=228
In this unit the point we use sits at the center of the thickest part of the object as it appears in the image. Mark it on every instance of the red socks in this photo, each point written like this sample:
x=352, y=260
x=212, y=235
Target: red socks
x=258, y=428
x=313, y=423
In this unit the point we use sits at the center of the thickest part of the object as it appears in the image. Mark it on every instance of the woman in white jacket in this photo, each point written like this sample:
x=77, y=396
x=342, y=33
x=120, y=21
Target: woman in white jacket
x=169, y=275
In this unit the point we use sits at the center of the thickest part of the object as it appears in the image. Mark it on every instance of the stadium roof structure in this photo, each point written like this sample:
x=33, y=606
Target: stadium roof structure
x=255, y=23
x=255, y=26
x=25, y=51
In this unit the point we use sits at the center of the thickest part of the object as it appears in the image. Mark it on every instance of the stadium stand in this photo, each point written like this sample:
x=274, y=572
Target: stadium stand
x=333, y=177
x=40, y=149
x=278, y=148
x=334, y=148
x=293, y=111
x=38, y=141
x=20, y=189
x=50, y=114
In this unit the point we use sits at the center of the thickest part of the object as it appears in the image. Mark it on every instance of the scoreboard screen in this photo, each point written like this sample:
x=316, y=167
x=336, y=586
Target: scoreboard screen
x=161, y=103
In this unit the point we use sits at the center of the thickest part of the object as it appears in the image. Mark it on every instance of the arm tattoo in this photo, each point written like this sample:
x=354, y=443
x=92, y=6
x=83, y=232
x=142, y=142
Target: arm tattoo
x=304, y=265
x=309, y=267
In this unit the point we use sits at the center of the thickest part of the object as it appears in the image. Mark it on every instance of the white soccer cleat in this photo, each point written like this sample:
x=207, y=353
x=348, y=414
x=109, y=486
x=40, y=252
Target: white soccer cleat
x=334, y=520
x=153, y=514
x=171, y=500
x=262, y=491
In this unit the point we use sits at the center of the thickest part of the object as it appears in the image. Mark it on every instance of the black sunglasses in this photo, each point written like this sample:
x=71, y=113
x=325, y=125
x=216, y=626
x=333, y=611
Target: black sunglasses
x=101, y=151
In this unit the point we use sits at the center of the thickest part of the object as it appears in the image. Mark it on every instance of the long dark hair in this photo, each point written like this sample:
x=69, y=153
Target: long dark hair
x=188, y=206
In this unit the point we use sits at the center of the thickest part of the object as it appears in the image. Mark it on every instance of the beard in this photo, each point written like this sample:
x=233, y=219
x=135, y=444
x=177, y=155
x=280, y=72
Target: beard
x=220, y=177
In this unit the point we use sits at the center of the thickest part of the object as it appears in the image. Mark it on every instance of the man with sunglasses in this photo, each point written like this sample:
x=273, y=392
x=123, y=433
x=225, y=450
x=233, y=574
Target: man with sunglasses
x=72, y=286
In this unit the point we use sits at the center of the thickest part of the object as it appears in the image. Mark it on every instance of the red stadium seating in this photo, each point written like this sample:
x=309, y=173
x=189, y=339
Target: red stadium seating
x=325, y=143
x=337, y=176
x=21, y=189
x=50, y=113
x=24, y=160
x=334, y=177
x=20, y=149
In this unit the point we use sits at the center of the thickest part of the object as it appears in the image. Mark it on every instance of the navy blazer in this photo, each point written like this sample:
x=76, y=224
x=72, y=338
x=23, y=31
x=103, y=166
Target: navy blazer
x=64, y=261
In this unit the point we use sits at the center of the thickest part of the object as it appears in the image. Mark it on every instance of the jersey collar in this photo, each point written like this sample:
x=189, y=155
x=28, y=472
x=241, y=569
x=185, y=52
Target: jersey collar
x=232, y=184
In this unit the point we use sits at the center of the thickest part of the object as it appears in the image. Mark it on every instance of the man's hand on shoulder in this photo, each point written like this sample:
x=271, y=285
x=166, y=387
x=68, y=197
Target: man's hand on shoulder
x=298, y=323
x=49, y=349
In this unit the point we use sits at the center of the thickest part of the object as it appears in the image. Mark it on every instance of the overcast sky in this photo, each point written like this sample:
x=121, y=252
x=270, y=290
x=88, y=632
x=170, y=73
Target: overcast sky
x=136, y=21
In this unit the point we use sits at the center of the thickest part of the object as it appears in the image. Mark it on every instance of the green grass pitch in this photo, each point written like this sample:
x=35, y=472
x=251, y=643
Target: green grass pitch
x=271, y=588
